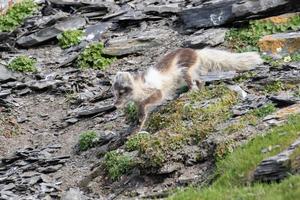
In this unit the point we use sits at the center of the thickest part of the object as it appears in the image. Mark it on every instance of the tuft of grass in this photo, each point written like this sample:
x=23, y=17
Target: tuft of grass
x=92, y=57
x=16, y=14
x=23, y=64
x=278, y=63
x=244, y=76
x=246, y=39
x=117, y=164
x=134, y=142
x=69, y=38
x=234, y=171
x=264, y=110
x=87, y=139
x=275, y=86
x=131, y=112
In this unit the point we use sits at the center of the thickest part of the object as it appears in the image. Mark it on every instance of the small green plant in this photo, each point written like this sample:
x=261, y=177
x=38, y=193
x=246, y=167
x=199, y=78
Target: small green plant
x=275, y=86
x=70, y=38
x=16, y=14
x=87, y=139
x=244, y=76
x=134, y=143
x=22, y=64
x=117, y=164
x=264, y=110
x=246, y=39
x=92, y=57
x=131, y=112
x=278, y=63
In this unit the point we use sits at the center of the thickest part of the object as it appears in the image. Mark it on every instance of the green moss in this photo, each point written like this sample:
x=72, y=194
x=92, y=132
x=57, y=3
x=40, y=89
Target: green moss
x=188, y=119
x=22, y=64
x=16, y=14
x=70, y=38
x=86, y=140
x=117, y=164
x=92, y=57
x=245, y=76
x=234, y=170
x=223, y=148
x=275, y=86
x=234, y=127
x=264, y=110
x=134, y=142
x=246, y=39
x=131, y=112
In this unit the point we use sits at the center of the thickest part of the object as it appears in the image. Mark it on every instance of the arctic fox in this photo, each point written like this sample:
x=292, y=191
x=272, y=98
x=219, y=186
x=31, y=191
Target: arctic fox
x=176, y=69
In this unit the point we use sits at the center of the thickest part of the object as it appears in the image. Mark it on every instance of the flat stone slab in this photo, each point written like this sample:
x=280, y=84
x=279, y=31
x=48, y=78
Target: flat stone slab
x=217, y=13
x=280, y=43
x=211, y=37
x=129, y=45
x=51, y=32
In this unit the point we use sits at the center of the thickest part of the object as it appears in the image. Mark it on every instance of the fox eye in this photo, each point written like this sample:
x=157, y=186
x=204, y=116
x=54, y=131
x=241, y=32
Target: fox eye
x=122, y=92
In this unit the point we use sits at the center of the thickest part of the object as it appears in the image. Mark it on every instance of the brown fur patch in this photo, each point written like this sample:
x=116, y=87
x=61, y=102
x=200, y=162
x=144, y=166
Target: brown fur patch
x=187, y=58
x=166, y=62
x=157, y=95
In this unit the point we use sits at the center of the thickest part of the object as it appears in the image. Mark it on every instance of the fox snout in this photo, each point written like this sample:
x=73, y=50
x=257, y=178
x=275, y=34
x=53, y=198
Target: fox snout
x=118, y=103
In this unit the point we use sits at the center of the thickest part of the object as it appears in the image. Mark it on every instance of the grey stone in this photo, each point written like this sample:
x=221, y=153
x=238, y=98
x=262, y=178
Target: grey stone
x=222, y=12
x=94, y=32
x=123, y=45
x=6, y=75
x=72, y=120
x=50, y=169
x=49, y=33
x=89, y=111
x=162, y=9
x=44, y=84
x=5, y=93
x=211, y=37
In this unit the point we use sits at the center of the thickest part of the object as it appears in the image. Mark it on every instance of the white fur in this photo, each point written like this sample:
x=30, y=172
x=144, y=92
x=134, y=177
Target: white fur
x=217, y=60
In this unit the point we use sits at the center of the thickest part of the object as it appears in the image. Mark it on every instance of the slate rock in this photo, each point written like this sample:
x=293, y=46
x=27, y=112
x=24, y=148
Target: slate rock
x=280, y=43
x=90, y=111
x=6, y=75
x=210, y=37
x=163, y=10
x=123, y=45
x=44, y=85
x=49, y=33
x=5, y=93
x=95, y=32
x=222, y=12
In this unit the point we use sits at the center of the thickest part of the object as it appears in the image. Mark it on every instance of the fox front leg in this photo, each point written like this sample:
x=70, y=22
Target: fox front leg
x=144, y=106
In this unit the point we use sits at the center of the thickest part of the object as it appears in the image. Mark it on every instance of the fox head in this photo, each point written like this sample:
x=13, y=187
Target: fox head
x=123, y=88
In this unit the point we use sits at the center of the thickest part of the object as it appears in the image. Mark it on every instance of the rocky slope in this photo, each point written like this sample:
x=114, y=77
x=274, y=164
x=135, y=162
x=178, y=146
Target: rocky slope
x=44, y=113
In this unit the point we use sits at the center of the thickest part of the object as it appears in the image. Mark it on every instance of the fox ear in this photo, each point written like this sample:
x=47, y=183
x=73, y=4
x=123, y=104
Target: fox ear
x=124, y=78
